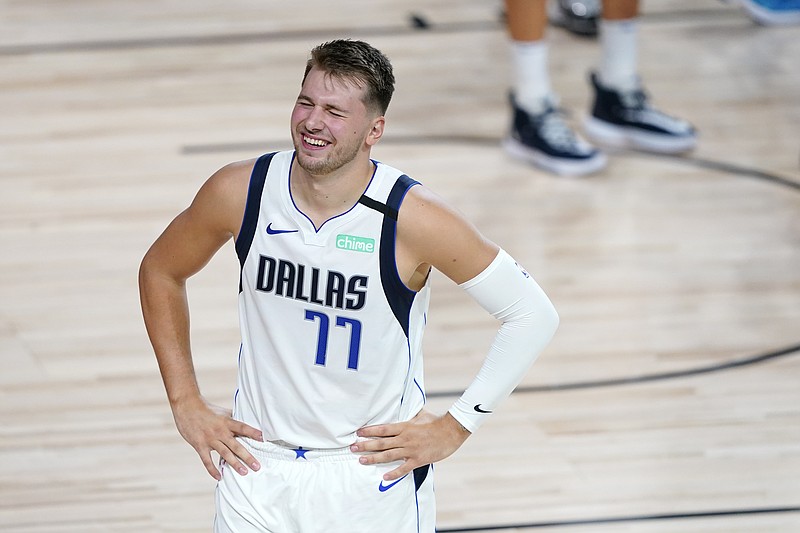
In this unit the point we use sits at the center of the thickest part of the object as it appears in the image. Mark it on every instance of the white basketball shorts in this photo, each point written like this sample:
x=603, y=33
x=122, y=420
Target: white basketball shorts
x=321, y=491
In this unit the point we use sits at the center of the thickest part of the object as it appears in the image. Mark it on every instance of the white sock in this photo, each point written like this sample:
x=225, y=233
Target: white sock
x=618, y=65
x=531, y=77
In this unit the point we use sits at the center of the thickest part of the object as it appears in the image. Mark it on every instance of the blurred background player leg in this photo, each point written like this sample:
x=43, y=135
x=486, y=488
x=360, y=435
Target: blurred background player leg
x=622, y=115
x=539, y=133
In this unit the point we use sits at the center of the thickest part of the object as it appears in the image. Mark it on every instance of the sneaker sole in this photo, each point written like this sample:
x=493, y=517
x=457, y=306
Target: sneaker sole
x=624, y=137
x=552, y=164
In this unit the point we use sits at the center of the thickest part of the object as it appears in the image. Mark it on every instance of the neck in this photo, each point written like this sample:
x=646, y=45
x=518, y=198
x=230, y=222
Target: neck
x=321, y=197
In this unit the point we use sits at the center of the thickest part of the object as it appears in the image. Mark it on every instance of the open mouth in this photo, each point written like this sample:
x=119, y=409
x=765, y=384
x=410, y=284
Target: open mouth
x=315, y=143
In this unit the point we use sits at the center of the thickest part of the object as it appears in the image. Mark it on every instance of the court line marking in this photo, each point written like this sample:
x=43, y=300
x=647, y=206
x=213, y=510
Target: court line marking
x=644, y=378
x=620, y=519
x=414, y=23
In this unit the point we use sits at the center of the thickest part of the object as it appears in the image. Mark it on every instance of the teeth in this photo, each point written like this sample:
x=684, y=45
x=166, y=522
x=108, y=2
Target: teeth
x=314, y=142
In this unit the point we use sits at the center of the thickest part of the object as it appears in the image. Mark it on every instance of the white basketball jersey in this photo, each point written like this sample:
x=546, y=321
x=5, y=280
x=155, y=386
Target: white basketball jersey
x=331, y=337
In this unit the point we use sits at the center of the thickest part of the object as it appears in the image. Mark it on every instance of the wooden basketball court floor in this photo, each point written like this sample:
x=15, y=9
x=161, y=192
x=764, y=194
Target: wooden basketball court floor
x=668, y=401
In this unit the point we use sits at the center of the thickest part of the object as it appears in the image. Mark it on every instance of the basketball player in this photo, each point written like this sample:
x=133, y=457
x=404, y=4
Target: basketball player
x=328, y=432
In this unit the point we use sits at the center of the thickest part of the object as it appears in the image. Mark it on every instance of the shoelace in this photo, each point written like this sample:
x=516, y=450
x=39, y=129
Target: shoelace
x=636, y=99
x=555, y=130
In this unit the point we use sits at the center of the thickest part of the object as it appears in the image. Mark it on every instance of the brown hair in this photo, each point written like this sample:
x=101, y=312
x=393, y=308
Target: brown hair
x=358, y=61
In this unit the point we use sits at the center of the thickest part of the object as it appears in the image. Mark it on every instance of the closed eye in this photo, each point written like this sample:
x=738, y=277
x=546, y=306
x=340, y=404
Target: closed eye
x=331, y=109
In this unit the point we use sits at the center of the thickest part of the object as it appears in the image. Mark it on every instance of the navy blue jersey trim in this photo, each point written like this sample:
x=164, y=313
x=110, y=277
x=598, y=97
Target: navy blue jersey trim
x=379, y=207
x=248, y=230
x=398, y=295
x=420, y=473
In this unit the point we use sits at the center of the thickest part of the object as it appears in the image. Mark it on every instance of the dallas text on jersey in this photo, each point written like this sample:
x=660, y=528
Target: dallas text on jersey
x=330, y=289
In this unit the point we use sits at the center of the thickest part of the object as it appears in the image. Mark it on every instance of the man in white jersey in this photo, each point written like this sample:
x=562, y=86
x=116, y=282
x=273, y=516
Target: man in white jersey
x=328, y=431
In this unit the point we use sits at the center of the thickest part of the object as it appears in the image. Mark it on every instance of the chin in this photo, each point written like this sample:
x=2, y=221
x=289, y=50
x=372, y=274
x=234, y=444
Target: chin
x=312, y=165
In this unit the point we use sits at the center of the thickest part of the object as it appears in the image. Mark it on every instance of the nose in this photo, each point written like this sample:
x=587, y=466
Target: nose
x=314, y=119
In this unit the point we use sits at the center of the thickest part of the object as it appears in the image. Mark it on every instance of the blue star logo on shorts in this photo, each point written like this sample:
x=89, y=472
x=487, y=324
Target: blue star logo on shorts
x=301, y=454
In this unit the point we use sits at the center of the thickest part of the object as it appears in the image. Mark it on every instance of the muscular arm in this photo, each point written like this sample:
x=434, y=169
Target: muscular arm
x=432, y=234
x=185, y=247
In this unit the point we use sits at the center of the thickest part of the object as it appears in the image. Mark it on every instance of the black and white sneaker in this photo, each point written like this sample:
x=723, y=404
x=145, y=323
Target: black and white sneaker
x=576, y=16
x=546, y=141
x=627, y=120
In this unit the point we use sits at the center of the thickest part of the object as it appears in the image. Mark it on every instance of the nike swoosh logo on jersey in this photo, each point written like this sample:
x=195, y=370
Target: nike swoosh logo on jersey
x=384, y=488
x=479, y=410
x=271, y=231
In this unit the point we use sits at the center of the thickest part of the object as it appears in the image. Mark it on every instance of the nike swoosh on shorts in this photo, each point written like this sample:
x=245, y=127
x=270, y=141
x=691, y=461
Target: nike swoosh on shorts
x=384, y=488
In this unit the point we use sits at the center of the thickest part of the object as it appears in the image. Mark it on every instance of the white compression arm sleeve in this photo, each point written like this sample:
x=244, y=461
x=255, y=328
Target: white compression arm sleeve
x=529, y=321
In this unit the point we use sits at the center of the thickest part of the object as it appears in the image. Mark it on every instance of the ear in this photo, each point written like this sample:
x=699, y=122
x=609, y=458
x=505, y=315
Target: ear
x=376, y=132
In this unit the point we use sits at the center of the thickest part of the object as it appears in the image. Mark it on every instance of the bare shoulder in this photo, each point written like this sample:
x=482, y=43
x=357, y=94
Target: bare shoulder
x=232, y=179
x=223, y=196
x=431, y=231
x=196, y=234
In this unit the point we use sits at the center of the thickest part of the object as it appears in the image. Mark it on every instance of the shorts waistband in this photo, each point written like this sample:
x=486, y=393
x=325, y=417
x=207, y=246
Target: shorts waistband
x=285, y=452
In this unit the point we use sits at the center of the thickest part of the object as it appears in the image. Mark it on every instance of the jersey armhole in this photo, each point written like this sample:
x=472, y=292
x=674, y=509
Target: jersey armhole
x=255, y=190
x=399, y=296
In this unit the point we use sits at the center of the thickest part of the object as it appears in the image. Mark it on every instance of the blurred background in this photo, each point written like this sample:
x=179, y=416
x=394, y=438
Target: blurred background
x=669, y=399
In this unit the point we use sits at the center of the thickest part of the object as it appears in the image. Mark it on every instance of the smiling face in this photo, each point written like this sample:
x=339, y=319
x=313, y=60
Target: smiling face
x=331, y=125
